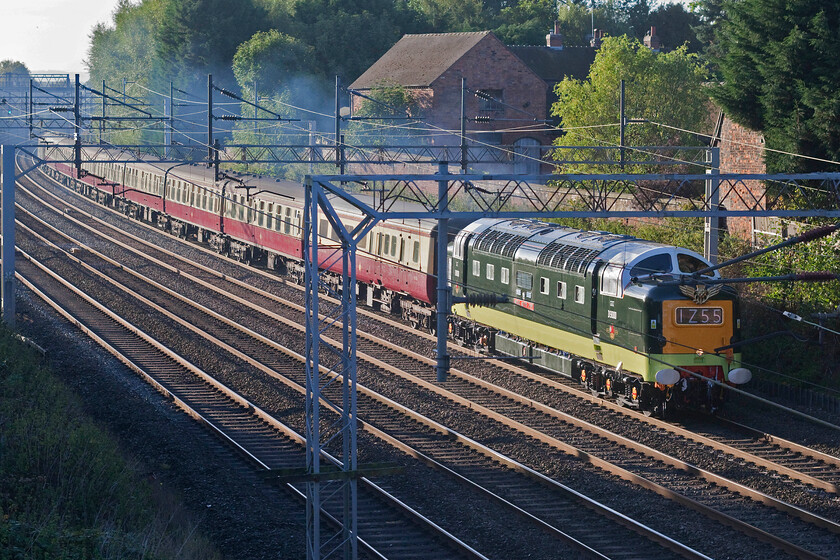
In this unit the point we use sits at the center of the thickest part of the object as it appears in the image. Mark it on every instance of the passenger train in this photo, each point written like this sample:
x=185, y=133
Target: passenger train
x=594, y=306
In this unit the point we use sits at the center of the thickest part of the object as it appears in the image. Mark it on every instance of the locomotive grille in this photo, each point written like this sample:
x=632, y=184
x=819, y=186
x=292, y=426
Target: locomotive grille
x=499, y=243
x=572, y=258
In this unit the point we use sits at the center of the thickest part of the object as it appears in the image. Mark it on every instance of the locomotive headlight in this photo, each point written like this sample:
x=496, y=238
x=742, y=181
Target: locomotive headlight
x=667, y=376
x=739, y=376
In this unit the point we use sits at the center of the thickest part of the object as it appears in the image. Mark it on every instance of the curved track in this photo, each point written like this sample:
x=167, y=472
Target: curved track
x=529, y=422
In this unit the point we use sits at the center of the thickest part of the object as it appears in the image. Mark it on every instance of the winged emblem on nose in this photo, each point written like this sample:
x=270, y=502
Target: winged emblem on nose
x=700, y=293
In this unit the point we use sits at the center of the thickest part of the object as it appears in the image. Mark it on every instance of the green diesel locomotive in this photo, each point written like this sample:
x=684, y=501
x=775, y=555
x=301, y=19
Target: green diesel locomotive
x=601, y=308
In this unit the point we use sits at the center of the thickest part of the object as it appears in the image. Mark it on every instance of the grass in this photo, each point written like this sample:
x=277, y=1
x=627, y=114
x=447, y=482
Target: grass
x=66, y=492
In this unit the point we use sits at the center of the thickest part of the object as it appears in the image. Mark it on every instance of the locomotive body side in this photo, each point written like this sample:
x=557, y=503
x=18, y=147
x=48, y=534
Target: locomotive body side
x=572, y=306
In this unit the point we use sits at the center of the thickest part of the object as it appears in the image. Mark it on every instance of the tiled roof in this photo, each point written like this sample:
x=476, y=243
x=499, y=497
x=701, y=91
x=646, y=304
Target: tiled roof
x=552, y=65
x=418, y=60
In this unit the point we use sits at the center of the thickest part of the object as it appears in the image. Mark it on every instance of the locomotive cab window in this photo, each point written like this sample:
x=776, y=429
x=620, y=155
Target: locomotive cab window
x=690, y=264
x=652, y=265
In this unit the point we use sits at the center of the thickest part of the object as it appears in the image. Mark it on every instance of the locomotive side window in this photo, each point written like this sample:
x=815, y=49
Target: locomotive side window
x=544, y=285
x=580, y=294
x=524, y=280
x=476, y=268
x=561, y=289
x=491, y=271
x=505, y=275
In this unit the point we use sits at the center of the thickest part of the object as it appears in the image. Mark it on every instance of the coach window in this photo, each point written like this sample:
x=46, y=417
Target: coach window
x=416, y=255
x=544, y=285
x=261, y=214
x=491, y=271
x=476, y=268
x=396, y=242
x=561, y=289
x=580, y=294
x=287, y=227
x=505, y=275
x=402, y=249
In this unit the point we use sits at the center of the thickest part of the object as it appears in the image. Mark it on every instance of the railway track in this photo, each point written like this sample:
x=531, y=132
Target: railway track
x=421, y=367
x=267, y=443
x=564, y=503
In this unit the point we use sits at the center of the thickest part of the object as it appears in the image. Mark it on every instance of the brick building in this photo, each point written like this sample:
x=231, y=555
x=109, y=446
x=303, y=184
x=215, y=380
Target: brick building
x=518, y=83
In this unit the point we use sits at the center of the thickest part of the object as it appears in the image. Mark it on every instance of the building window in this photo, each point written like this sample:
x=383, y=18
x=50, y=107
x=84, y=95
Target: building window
x=505, y=276
x=491, y=100
x=491, y=271
x=580, y=294
x=561, y=290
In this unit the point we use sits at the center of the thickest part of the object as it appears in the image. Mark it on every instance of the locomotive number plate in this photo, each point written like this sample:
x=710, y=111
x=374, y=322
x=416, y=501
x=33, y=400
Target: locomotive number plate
x=699, y=315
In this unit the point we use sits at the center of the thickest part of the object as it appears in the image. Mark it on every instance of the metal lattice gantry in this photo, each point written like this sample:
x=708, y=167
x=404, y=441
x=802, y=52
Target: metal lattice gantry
x=382, y=197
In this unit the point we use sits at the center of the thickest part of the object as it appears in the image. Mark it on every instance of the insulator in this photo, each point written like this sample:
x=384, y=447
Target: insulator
x=229, y=118
x=482, y=119
x=816, y=276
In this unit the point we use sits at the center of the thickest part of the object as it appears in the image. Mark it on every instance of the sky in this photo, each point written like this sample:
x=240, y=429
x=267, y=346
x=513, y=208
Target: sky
x=51, y=35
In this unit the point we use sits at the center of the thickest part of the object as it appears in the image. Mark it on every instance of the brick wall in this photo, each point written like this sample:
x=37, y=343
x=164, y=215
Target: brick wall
x=741, y=151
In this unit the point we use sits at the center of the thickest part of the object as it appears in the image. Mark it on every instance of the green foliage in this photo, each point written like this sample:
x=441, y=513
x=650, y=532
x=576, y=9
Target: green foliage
x=664, y=88
x=394, y=105
x=13, y=72
x=526, y=22
x=820, y=255
x=200, y=36
x=270, y=59
x=780, y=75
x=65, y=491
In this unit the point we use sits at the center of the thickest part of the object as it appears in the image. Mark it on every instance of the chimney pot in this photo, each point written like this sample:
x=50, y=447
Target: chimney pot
x=652, y=40
x=555, y=39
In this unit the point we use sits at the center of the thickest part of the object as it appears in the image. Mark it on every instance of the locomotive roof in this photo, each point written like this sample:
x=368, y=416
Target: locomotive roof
x=564, y=248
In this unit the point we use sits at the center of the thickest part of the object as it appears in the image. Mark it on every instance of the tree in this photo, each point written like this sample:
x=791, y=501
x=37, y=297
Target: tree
x=386, y=115
x=14, y=71
x=778, y=62
x=664, y=88
x=675, y=26
x=197, y=37
x=270, y=58
x=525, y=23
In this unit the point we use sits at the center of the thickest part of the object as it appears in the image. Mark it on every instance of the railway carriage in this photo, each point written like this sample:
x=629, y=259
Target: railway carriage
x=590, y=305
x=259, y=220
